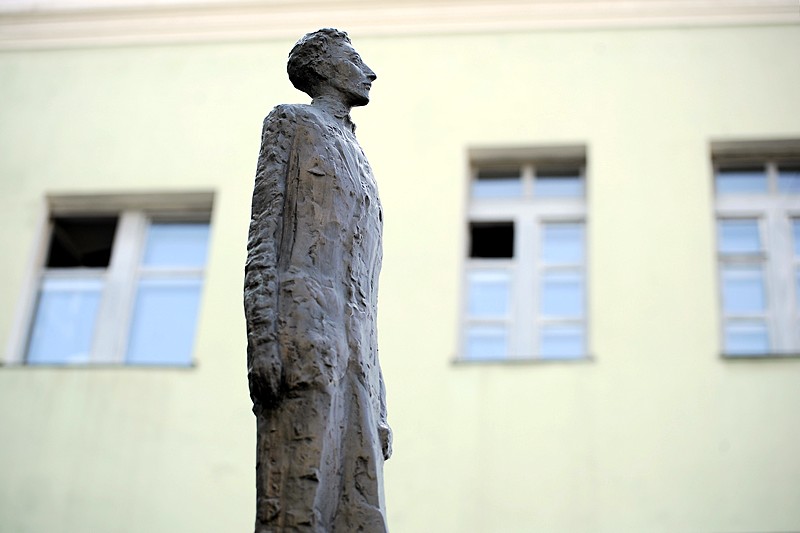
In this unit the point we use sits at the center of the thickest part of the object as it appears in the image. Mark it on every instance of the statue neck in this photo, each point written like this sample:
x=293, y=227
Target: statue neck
x=334, y=106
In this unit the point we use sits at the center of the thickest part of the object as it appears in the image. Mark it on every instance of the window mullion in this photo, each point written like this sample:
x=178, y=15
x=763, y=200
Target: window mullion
x=528, y=175
x=526, y=278
x=772, y=178
x=116, y=306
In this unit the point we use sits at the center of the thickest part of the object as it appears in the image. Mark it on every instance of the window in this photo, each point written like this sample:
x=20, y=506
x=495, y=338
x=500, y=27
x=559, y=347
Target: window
x=758, y=247
x=525, y=265
x=119, y=285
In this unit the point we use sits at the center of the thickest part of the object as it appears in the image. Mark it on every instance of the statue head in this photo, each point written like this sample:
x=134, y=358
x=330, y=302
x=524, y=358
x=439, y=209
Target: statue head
x=324, y=63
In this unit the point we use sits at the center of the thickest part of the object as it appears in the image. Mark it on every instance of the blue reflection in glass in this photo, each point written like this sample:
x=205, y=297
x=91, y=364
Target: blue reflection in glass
x=497, y=184
x=739, y=236
x=797, y=287
x=743, y=180
x=562, y=294
x=563, y=243
x=742, y=289
x=789, y=180
x=746, y=338
x=561, y=342
x=176, y=244
x=796, y=232
x=487, y=342
x=488, y=294
x=552, y=185
x=164, y=322
x=63, y=328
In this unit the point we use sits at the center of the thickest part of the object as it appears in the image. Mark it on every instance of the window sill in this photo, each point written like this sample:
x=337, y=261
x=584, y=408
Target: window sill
x=771, y=356
x=99, y=366
x=521, y=361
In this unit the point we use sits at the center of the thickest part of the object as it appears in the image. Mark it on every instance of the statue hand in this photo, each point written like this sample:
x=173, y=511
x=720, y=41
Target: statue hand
x=265, y=382
x=385, y=435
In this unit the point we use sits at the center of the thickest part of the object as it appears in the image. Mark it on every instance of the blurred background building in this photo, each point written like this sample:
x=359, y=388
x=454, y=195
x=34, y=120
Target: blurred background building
x=589, y=308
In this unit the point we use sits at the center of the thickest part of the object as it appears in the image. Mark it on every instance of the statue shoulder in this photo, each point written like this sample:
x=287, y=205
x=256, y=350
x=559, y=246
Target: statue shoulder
x=282, y=123
x=285, y=122
x=296, y=113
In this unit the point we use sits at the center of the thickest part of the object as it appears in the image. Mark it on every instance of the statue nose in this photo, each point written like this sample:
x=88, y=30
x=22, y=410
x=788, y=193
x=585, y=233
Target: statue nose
x=370, y=74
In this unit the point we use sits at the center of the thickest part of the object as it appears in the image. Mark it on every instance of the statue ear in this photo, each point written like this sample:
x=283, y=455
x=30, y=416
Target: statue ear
x=318, y=78
x=322, y=70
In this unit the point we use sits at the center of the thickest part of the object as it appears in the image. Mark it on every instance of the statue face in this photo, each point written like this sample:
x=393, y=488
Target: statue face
x=348, y=76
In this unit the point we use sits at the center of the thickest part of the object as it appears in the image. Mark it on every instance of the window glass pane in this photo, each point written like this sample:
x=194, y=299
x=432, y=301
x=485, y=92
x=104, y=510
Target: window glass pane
x=176, y=245
x=488, y=293
x=739, y=236
x=561, y=342
x=746, y=338
x=63, y=327
x=497, y=183
x=562, y=294
x=562, y=243
x=164, y=322
x=487, y=342
x=549, y=184
x=797, y=287
x=741, y=180
x=742, y=289
x=789, y=179
x=796, y=231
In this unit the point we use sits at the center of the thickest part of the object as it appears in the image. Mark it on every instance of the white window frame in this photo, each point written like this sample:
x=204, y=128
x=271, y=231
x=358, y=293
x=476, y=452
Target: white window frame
x=135, y=212
x=528, y=214
x=774, y=212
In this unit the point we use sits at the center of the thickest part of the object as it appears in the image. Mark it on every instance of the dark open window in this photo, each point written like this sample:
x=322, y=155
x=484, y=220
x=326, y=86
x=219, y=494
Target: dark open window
x=492, y=240
x=81, y=242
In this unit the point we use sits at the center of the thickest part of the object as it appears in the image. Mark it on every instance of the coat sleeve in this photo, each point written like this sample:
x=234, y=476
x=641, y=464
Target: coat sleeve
x=261, y=284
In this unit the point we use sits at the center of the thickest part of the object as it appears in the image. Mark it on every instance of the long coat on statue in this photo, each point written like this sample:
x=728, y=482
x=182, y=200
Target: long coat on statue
x=311, y=283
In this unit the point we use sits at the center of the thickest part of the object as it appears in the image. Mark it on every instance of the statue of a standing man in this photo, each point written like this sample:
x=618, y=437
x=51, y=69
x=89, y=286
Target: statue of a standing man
x=311, y=285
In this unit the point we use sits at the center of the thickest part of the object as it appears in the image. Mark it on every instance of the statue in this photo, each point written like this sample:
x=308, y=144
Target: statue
x=310, y=298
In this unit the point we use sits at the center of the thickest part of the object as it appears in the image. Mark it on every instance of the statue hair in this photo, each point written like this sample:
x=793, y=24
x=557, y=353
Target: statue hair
x=311, y=50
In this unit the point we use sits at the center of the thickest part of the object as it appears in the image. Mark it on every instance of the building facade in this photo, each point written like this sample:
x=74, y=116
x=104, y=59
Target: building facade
x=590, y=303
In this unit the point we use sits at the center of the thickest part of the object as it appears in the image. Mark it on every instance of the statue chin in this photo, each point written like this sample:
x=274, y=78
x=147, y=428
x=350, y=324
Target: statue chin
x=359, y=100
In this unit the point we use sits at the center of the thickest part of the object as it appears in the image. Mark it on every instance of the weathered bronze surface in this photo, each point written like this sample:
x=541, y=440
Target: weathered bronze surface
x=310, y=297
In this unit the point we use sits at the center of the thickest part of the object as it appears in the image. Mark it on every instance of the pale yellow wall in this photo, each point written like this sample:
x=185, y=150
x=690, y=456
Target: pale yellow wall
x=656, y=434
